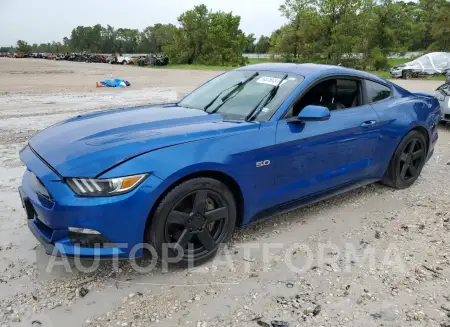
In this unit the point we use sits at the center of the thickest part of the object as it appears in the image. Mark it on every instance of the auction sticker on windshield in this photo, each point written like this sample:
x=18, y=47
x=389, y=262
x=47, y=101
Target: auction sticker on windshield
x=273, y=80
x=269, y=80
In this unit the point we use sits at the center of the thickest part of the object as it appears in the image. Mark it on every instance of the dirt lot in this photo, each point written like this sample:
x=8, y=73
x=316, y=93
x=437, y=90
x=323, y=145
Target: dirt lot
x=373, y=257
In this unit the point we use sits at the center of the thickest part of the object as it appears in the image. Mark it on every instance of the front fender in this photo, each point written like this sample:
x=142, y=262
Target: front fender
x=174, y=163
x=233, y=155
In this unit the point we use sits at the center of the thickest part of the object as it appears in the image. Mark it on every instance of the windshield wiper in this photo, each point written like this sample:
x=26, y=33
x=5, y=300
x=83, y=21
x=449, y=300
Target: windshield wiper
x=261, y=104
x=226, y=97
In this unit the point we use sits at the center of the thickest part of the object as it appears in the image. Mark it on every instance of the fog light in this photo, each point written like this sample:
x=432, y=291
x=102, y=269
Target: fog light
x=84, y=237
x=83, y=231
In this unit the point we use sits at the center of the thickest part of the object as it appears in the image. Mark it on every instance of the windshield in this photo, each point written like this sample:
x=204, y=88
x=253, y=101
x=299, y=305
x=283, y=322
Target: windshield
x=238, y=93
x=445, y=88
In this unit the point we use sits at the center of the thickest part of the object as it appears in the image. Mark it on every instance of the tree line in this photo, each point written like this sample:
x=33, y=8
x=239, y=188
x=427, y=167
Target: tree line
x=330, y=30
x=326, y=31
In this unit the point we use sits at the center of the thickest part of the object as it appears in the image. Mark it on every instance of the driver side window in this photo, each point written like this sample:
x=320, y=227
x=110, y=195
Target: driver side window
x=335, y=94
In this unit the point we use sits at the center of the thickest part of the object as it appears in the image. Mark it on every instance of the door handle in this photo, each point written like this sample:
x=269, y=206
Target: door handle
x=368, y=123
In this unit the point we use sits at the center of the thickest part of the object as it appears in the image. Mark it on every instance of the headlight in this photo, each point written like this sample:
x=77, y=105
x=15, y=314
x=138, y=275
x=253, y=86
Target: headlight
x=104, y=187
x=439, y=96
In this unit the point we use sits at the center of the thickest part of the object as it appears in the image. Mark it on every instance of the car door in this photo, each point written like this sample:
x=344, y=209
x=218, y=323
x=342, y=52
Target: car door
x=313, y=157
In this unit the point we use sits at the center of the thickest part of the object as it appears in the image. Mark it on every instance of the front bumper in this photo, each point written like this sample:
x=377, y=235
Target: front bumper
x=445, y=109
x=119, y=219
x=396, y=73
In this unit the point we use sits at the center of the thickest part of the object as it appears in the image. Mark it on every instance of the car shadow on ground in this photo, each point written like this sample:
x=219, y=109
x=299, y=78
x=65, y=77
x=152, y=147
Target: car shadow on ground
x=124, y=271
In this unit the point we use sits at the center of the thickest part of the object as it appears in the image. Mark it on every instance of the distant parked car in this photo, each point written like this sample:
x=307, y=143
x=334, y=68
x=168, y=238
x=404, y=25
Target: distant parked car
x=100, y=58
x=443, y=95
x=434, y=63
x=123, y=60
x=90, y=57
x=135, y=60
x=154, y=60
x=36, y=55
x=118, y=59
x=111, y=59
x=80, y=57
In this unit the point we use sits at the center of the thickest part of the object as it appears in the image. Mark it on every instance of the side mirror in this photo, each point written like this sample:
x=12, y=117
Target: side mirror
x=311, y=113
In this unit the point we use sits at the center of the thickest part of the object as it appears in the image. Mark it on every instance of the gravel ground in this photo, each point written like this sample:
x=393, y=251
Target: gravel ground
x=372, y=257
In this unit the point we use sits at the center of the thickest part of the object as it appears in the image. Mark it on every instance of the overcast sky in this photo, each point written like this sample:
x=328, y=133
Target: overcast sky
x=38, y=21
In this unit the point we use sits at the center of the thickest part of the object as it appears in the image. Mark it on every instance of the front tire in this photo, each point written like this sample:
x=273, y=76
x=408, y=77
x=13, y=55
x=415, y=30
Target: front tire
x=407, y=162
x=407, y=74
x=196, y=217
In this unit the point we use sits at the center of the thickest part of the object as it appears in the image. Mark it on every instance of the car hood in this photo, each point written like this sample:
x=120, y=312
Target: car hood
x=87, y=145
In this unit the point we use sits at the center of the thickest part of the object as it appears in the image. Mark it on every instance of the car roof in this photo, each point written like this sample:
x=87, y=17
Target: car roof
x=311, y=70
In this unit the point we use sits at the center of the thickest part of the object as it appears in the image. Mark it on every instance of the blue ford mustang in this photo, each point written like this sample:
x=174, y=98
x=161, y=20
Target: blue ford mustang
x=247, y=144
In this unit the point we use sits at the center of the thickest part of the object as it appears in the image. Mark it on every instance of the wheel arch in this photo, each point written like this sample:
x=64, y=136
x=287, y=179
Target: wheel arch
x=424, y=132
x=420, y=129
x=229, y=181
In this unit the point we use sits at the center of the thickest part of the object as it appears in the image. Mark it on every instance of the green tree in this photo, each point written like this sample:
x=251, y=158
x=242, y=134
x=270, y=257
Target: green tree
x=190, y=38
x=23, y=46
x=7, y=49
x=440, y=29
x=127, y=40
x=385, y=19
x=249, y=45
x=341, y=22
x=154, y=38
x=263, y=44
x=108, y=39
x=429, y=9
x=302, y=38
x=206, y=37
x=225, y=41
x=295, y=34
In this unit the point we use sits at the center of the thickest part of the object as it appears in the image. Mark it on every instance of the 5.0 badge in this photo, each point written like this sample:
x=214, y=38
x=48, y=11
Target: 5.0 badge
x=262, y=163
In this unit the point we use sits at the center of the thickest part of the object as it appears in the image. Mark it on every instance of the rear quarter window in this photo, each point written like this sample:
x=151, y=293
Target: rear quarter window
x=376, y=92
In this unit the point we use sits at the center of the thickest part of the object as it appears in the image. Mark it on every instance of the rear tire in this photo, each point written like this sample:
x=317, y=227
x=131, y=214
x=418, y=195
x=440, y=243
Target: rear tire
x=200, y=213
x=407, y=162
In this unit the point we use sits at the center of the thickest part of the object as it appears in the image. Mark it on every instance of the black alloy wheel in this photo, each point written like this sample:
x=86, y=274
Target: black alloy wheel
x=194, y=218
x=411, y=159
x=407, y=162
x=198, y=218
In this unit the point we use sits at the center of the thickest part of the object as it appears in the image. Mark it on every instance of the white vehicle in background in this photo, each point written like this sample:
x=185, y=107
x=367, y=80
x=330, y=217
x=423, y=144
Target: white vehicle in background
x=434, y=63
x=119, y=59
x=123, y=60
x=443, y=95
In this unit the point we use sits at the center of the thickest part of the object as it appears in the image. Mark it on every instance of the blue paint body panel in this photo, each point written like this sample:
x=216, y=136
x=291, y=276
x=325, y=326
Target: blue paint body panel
x=170, y=142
